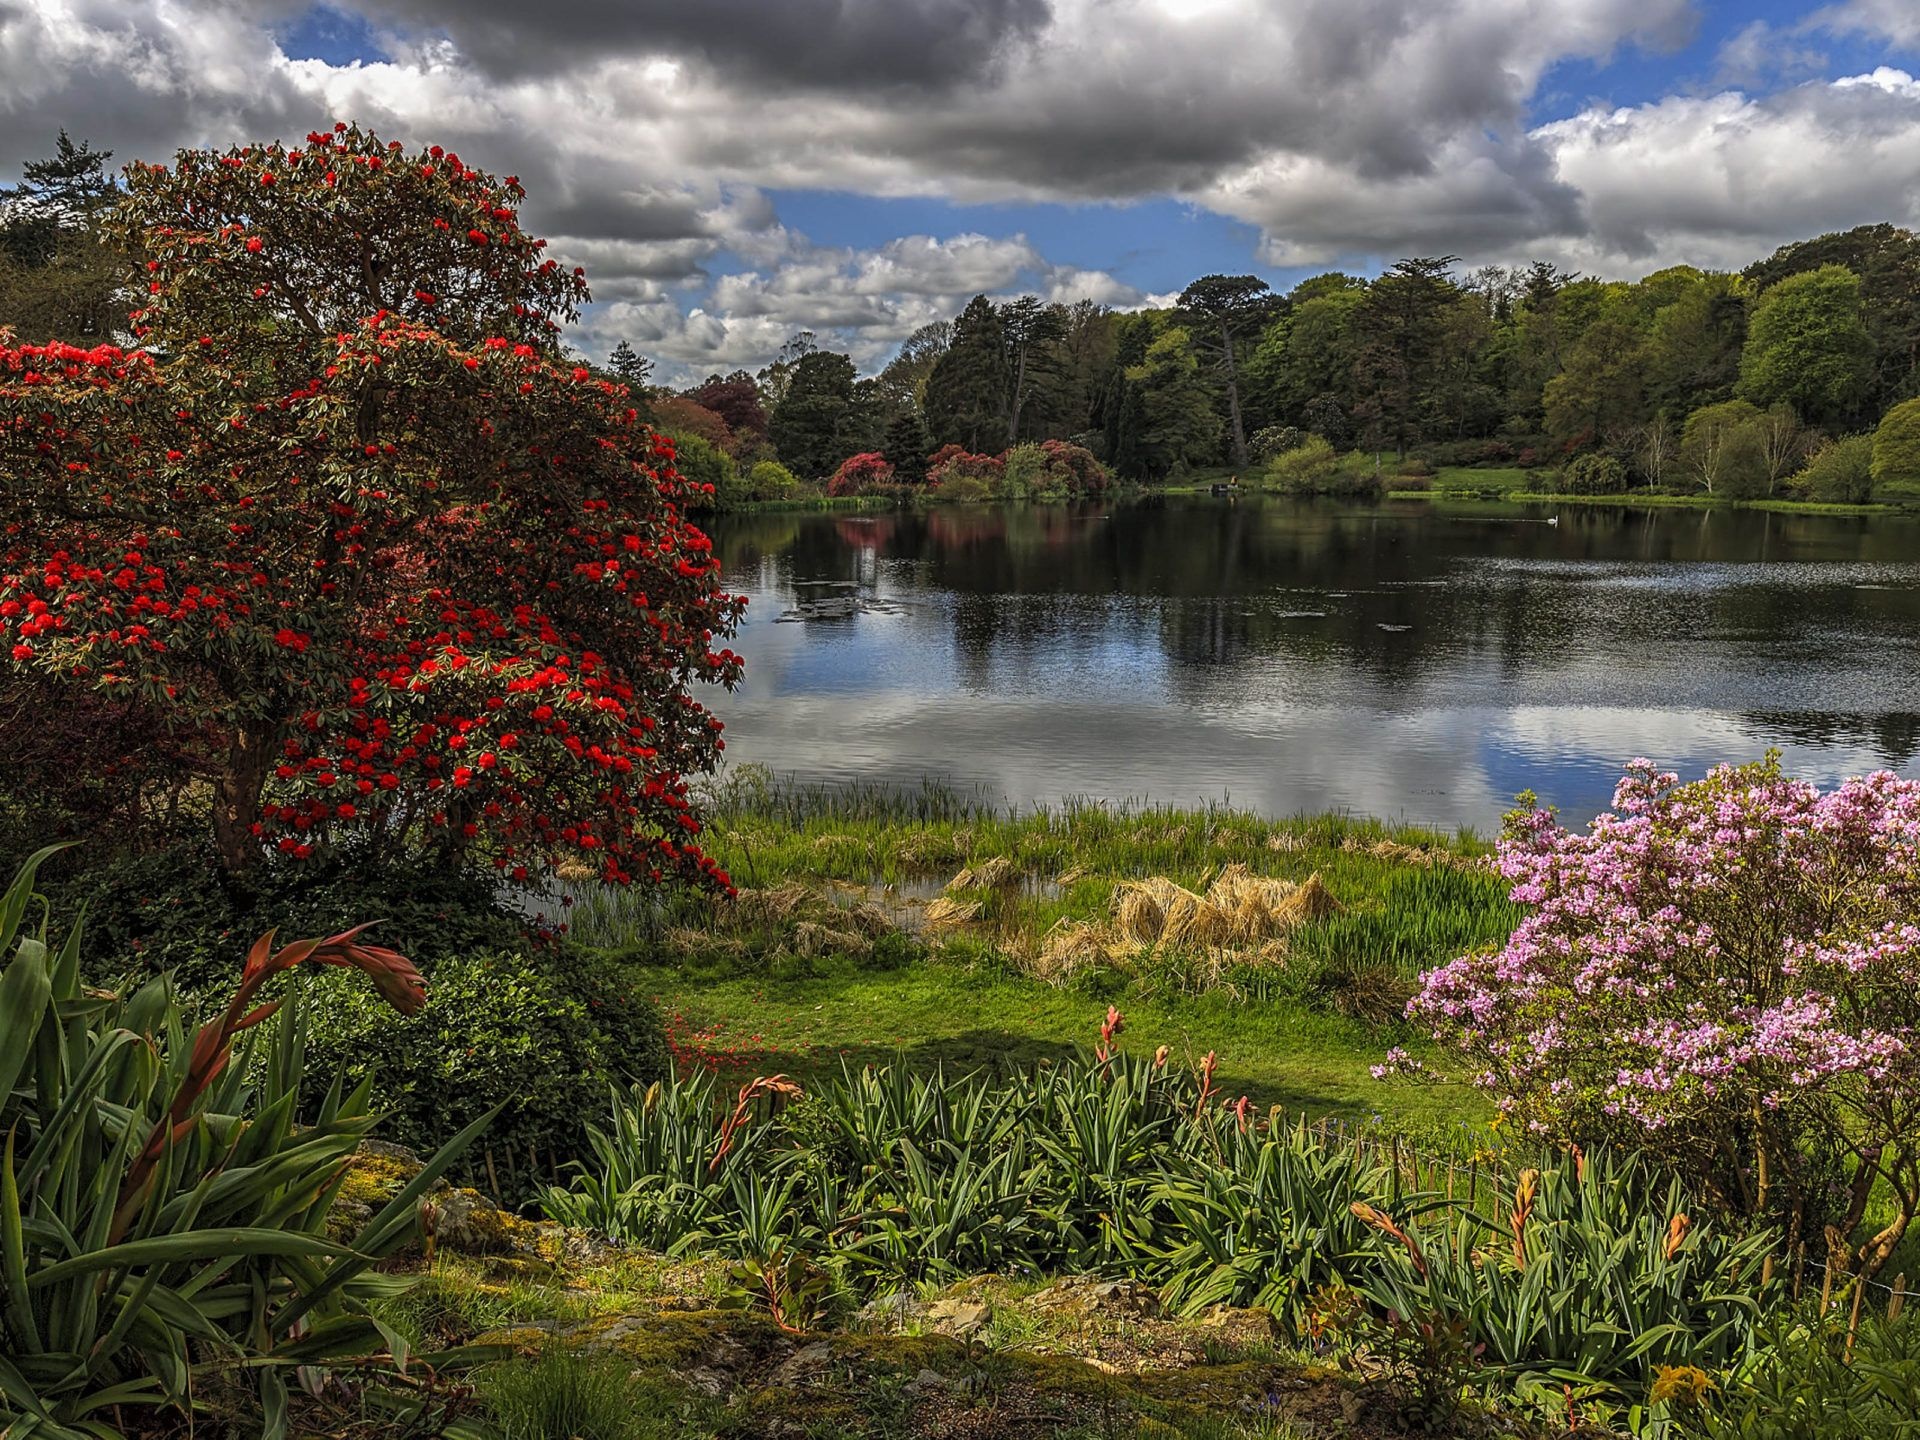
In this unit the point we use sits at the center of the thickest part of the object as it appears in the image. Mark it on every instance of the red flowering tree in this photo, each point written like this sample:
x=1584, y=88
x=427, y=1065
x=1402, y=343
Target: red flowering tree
x=351, y=530
x=864, y=474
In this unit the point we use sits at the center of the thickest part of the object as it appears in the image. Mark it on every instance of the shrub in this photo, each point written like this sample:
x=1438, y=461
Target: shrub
x=704, y=464
x=867, y=473
x=1896, y=449
x=1052, y=468
x=1304, y=469
x=1272, y=440
x=163, y=1219
x=1811, y=1380
x=770, y=480
x=381, y=633
x=539, y=1038
x=1594, y=475
x=1725, y=974
x=961, y=475
x=1121, y=1166
x=1841, y=472
x=173, y=912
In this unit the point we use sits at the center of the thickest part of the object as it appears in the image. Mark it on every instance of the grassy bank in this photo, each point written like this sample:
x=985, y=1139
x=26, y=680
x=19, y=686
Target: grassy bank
x=1705, y=502
x=933, y=925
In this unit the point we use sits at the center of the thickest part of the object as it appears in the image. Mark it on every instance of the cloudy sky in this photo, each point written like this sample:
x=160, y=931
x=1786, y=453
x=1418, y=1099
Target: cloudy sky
x=731, y=171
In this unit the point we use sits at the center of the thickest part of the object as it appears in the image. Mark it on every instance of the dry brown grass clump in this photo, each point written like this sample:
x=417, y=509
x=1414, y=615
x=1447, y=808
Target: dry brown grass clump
x=1239, y=910
x=999, y=873
x=945, y=913
x=1424, y=857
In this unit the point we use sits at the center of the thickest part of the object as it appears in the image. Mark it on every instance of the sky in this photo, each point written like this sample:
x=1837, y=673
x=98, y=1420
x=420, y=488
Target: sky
x=733, y=171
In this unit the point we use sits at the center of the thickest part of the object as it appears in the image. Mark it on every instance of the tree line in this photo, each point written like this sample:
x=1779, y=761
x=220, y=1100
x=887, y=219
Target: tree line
x=1688, y=379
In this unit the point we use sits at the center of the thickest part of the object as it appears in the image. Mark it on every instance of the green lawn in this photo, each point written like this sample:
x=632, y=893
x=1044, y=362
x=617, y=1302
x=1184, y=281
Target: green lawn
x=1462, y=477
x=937, y=1014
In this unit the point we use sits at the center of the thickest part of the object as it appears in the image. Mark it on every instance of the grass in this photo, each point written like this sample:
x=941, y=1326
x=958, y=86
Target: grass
x=1279, y=1053
x=1454, y=478
x=1297, y=1024
x=1705, y=502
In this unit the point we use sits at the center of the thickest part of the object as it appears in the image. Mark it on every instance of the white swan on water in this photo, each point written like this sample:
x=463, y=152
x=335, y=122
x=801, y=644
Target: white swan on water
x=1553, y=520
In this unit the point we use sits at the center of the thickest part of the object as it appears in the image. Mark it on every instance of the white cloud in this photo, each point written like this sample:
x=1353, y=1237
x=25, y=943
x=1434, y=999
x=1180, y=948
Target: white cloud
x=651, y=134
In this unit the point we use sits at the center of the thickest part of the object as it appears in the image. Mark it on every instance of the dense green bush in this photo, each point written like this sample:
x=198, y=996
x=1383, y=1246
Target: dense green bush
x=704, y=463
x=1896, y=450
x=175, y=911
x=1594, y=475
x=543, y=1036
x=770, y=480
x=1841, y=472
x=1304, y=470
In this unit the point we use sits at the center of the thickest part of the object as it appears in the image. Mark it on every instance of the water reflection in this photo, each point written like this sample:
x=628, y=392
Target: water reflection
x=1403, y=659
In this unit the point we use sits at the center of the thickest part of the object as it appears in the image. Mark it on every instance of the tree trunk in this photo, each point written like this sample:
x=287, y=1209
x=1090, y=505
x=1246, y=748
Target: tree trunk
x=236, y=800
x=1019, y=395
x=1233, y=403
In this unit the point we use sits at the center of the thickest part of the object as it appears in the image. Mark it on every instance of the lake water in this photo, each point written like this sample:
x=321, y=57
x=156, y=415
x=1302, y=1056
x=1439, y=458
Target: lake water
x=1408, y=660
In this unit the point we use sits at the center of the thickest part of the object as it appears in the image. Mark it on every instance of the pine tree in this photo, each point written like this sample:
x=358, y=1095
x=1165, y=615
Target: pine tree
x=967, y=391
x=907, y=446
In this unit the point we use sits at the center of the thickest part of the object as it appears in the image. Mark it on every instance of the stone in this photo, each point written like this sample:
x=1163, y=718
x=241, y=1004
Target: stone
x=956, y=1317
x=804, y=1366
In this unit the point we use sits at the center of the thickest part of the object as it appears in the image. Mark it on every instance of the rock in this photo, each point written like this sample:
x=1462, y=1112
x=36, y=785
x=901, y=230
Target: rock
x=928, y=1382
x=956, y=1317
x=710, y=1383
x=804, y=1366
x=1086, y=1295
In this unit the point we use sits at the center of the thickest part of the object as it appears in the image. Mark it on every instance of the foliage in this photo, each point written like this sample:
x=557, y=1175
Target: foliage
x=736, y=401
x=1176, y=426
x=1601, y=1280
x=1225, y=312
x=537, y=1039
x=1841, y=471
x=1052, y=468
x=864, y=474
x=162, y=1214
x=1807, y=345
x=1594, y=474
x=684, y=418
x=907, y=446
x=1303, y=470
x=1723, y=451
x=1896, y=448
x=770, y=480
x=1742, y=956
x=706, y=467
x=1811, y=1380
x=816, y=422
x=1124, y=1166
x=173, y=912
x=60, y=279
x=403, y=578
x=966, y=390
x=564, y=1392
x=960, y=475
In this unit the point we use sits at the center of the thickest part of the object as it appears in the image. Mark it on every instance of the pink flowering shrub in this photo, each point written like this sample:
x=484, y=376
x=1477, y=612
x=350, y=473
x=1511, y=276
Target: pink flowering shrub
x=863, y=474
x=1724, y=974
x=961, y=475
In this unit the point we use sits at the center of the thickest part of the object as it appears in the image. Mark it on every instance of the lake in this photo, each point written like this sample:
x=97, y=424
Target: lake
x=1410, y=659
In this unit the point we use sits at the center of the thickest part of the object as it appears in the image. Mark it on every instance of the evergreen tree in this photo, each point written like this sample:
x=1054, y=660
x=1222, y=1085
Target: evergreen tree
x=1030, y=330
x=907, y=446
x=1179, y=427
x=1224, y=312
x=816, y=412
x=1401, y=330
x=630, y=367
x=967, y=390
x=60, y=276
